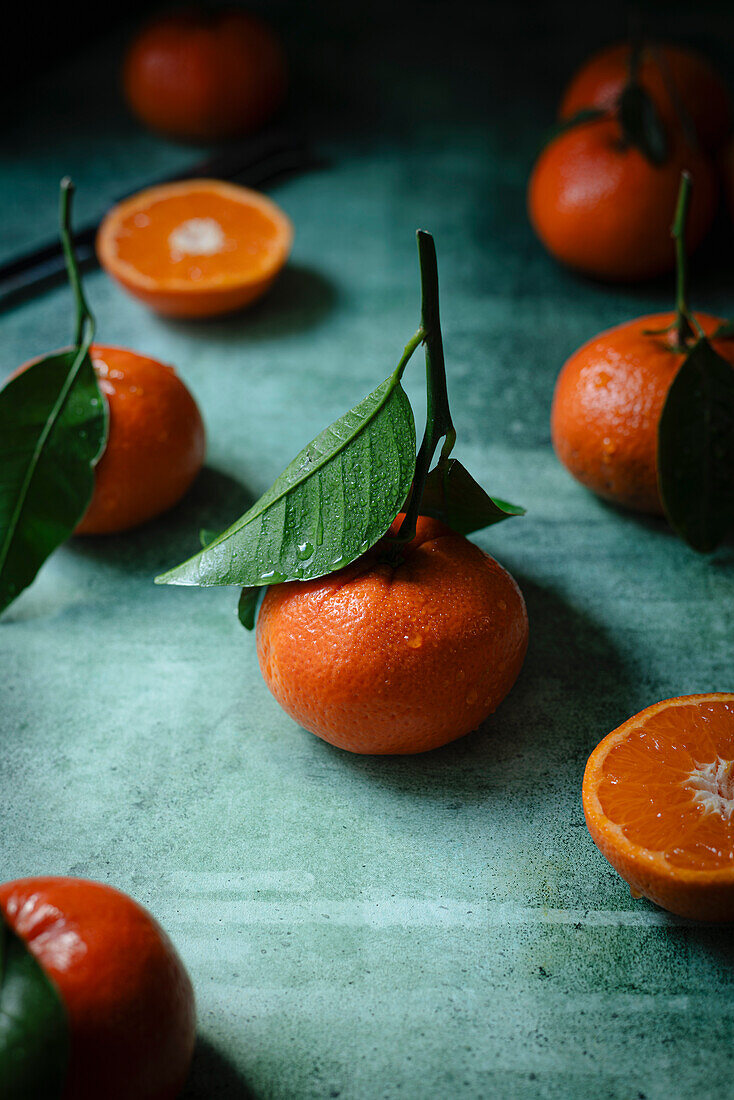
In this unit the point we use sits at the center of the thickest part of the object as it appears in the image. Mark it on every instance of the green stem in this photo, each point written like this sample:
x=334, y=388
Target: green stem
x=84, y=328
x=438, y=417
x=683, y=327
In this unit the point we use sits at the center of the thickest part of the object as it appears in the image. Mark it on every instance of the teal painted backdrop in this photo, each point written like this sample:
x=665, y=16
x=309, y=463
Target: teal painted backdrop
x=366, y=928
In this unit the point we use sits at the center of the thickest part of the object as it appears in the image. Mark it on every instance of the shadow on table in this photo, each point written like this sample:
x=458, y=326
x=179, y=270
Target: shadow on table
x=300, y=298
x=573, y=689
x=705, y=940
x=213, y=1077
x=213, y=502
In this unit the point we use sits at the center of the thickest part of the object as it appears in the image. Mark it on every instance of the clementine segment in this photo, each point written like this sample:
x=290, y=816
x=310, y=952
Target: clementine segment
x=605, y=210
x=195, y=248
x=128, y=998
x=205, y=74
x=677, y=79
x=658, y=797
x=607, y=406
x=396, y=658
x=155, y=446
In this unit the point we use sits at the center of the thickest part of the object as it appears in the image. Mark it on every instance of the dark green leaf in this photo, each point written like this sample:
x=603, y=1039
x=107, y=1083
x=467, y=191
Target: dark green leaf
x=580, y=118
x=696, y=449
x=724, y=331
x=53, y=426
x=641, y=124
x=206, y=536
x=247, y=607
x=452, y=495
x=333, y=502
x=34, y=1040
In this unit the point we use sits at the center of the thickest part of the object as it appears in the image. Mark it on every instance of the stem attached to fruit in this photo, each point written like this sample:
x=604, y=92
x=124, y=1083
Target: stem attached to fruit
x=84, y=330
x=683, y=327
x=438, y=417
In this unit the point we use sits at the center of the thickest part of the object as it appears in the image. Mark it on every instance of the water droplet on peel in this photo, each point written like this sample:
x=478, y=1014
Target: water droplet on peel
x=415, y=641
x=502, y=605
x=471, y=697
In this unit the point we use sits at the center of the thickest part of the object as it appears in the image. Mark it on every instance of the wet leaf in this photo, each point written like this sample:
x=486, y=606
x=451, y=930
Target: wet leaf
x=452, y=495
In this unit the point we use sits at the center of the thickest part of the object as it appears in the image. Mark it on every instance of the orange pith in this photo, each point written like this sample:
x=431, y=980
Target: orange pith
x=659, y=802
x=195, y=248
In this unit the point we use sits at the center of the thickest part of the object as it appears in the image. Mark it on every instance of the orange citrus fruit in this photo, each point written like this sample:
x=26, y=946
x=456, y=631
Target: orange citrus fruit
x=605, y=210
x=128, y=999
x=205, y=74
x=195, y=248
x=674, y=76
x=607, y=406
x=396, y=658
x=658, y=797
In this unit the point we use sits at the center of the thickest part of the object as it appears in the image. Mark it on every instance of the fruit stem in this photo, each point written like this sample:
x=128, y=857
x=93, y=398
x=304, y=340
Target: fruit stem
x=84, y=318
x=684, y=328
x=438, y=416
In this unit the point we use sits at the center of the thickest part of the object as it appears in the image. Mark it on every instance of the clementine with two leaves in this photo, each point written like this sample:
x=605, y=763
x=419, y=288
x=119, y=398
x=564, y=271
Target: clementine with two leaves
x=402, y=651
x=128, y=1001
x=196, y=248
x=658, y=797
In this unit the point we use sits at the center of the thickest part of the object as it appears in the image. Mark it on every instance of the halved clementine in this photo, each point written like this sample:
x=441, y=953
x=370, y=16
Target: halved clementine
x=195, y=248
x=658, y=798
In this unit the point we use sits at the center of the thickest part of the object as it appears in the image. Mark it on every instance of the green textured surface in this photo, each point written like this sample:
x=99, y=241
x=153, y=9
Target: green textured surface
x=364, y=928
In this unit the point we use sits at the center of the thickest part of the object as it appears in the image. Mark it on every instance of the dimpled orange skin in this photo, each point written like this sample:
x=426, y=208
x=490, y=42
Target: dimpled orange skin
x=203, y=75
x=396, y=659
x=155, y=446
x=606, y=210
x=699, y=88
x=128, y=998
x=607, y=405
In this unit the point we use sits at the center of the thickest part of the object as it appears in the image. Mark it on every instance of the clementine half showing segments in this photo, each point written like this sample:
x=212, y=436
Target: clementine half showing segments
x=128, y=999
x=195, y=248
x=658, y=797
x=602, y=208
x=205, y=74
x=683, y=85
x=396, y=655
x=607, y=405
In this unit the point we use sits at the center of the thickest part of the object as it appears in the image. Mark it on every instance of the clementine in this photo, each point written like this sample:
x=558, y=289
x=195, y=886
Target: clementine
x=195, y=248
x=128, y=999
x=604, y=209
x=658, y=797
x=396, y=655
x=683, y=85
x=205, y=74
x=607, y=406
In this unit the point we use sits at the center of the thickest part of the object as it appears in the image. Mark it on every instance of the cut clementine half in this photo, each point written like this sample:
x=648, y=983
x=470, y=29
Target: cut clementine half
x=658, y=798
x=195, y=248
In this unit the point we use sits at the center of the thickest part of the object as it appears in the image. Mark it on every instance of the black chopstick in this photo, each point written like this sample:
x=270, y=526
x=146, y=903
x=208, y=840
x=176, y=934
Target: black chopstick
x=261, y=161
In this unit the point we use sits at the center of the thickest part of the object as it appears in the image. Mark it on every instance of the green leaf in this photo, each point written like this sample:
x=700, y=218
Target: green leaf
x=53, y=427
x=641, y=124
x=334, y=501
x=247, y=607
x=724, y=331
x=580, y=118
x=34, y=1039
x=452, y=495
x=696, y=449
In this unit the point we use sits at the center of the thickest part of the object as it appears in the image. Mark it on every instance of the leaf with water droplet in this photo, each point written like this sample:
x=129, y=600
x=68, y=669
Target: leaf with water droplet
x=452, y=495
x=696, y=449
x=334, y=487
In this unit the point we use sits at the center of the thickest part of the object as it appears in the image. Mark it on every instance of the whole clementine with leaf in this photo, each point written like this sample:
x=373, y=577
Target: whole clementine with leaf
x=684, y=86
x=643, y=414
x=383, y=629
x=658, y=796
x=125, y=1024
x=402, y=651
x=204, y=74
x=196, y=248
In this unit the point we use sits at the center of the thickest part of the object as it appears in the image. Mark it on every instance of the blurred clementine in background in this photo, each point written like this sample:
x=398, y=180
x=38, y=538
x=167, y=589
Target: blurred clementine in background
x=682, y=83
x=396, y=654
x=195, y=248
x=205, y=74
